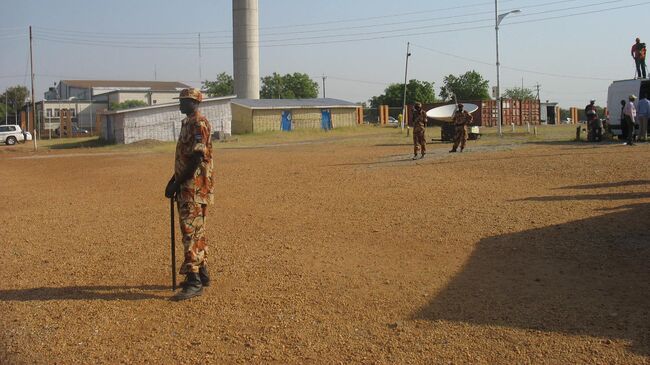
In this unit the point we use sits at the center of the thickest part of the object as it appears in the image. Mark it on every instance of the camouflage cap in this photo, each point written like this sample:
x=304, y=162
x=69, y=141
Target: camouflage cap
x=191, y=93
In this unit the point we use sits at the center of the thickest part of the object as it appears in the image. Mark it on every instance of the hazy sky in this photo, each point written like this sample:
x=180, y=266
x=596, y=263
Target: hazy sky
x=572, y=48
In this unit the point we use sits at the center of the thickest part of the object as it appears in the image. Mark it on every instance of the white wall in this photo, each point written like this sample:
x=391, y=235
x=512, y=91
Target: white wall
x=163, y=123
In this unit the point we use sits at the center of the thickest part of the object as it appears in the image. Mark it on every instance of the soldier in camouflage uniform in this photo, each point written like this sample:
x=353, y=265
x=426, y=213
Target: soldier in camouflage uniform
x=192, y=186
x=419, y=126
x=461, y=120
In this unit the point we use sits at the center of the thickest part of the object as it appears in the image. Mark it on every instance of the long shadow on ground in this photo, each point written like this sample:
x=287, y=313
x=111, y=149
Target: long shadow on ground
x=83, y=293
x=587, y=277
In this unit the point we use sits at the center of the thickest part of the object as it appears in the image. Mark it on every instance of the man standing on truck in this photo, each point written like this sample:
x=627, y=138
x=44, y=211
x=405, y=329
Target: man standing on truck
x=643, y=113
x=638, y=53
x=629, y=116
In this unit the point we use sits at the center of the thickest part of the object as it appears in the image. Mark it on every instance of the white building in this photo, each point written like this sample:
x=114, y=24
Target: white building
x=97, y=89
x=162, y=122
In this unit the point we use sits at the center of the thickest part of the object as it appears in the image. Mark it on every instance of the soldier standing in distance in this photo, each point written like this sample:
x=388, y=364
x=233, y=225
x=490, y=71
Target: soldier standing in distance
x=192, y=186
x=461, y=120
x=419, y=127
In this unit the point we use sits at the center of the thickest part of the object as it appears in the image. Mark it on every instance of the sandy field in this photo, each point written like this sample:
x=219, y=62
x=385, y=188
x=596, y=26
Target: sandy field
x=333, y=252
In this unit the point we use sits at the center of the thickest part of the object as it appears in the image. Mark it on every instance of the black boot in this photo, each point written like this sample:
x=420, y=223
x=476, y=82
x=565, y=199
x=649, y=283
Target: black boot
x=204, y=275
x=192, y=287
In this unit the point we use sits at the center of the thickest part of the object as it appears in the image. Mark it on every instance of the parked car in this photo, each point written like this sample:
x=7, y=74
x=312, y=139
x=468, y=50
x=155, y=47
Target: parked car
x=76, y=131
x=10, y=134
x=392, y=122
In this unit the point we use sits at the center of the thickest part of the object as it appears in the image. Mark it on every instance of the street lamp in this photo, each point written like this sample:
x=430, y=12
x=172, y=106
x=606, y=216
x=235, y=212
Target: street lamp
x=497, y=19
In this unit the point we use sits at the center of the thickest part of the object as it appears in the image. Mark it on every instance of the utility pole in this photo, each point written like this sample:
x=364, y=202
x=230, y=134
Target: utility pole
x=537, y=86
x=200, y=77
x=31, y=63
x=406, y=71
x=324, y=77
x=6, y=107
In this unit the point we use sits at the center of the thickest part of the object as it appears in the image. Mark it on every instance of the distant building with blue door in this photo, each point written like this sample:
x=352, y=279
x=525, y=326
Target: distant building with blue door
x=258, y=115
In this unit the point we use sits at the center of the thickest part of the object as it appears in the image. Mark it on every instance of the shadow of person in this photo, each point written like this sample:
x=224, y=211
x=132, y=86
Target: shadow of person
x=84, y=293
x=608, y=185
x=586, y=277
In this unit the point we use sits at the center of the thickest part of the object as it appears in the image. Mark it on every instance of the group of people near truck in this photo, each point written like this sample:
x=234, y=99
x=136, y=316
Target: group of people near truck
x=635, y=117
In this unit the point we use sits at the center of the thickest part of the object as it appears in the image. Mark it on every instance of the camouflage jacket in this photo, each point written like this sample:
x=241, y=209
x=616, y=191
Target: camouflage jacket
x=195, y=136
x=463, y=118
x=419, y=119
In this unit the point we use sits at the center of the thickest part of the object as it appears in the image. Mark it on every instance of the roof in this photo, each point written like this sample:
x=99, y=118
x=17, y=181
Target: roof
x=152, y=85
x=293, y=103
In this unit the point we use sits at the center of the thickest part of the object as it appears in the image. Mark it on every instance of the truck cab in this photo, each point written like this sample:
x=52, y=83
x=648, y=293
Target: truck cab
x=621, y=90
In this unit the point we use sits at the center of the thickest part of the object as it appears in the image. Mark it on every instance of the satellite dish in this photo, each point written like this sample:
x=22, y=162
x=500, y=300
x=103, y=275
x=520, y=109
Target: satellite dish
x=446, y=112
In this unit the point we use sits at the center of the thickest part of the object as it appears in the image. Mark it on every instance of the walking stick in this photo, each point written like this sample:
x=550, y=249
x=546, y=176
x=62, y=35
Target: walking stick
x=173, y=242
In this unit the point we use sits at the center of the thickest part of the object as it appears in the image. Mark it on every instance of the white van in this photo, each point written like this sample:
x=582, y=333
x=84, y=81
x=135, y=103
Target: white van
x=621, y=90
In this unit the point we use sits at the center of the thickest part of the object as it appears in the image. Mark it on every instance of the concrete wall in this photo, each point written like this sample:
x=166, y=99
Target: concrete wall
x=162, y=123
x=260, y=120
x=151, y=98
x=242, y=119
x=344, y=117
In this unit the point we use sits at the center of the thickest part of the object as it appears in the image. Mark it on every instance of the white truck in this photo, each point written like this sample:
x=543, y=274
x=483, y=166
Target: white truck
x=621, y=90
x=10, y=134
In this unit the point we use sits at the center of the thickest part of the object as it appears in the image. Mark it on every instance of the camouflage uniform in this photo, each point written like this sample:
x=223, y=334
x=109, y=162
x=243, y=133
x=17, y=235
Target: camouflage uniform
x=197, y=192
x=419, y=124
x=461, y=120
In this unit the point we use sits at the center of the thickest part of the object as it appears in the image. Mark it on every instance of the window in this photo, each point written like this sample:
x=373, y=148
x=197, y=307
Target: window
x=72, y=113
x=7, y=128
x=57, y=113
x=48, y=113
x=4, y=128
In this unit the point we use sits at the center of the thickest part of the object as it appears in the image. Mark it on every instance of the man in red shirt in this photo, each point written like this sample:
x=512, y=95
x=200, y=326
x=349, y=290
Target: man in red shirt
x=638, y=53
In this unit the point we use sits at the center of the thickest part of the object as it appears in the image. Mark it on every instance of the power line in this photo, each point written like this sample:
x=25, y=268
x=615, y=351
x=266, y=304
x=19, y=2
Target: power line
x=364, y=36
x=112, y=37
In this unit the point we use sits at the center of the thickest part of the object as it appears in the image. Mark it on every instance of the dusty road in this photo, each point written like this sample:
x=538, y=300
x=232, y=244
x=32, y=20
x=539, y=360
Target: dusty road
x=334, y=253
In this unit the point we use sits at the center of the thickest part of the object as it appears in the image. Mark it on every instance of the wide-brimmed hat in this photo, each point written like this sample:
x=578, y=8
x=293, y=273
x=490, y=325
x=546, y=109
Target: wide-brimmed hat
x=632, y=97
x=191, y=93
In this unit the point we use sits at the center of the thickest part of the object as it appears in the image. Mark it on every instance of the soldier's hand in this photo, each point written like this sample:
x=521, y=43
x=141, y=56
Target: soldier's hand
x=172, y=188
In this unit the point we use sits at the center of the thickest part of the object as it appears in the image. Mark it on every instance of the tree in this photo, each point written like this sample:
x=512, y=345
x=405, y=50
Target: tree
x=519, y=93
x=416, y=90
x=15, y=99
x=222, y=86
x=127, y=104
x=289, y=86
x=468, y=86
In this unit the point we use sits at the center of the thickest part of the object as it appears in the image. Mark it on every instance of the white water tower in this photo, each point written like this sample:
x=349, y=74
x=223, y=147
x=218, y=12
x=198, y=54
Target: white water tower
x=246, y=49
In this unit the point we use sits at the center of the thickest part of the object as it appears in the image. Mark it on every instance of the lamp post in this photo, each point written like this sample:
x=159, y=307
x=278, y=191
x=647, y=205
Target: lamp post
x=497, y=20
x=70, y=114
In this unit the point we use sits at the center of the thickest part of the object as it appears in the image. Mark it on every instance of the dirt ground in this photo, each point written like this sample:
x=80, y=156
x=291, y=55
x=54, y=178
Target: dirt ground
x=336, y=252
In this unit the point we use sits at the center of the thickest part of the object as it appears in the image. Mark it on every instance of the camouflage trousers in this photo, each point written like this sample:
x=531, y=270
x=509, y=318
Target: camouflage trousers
x=419, y=140
x=460, y=137
x=192, y=220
